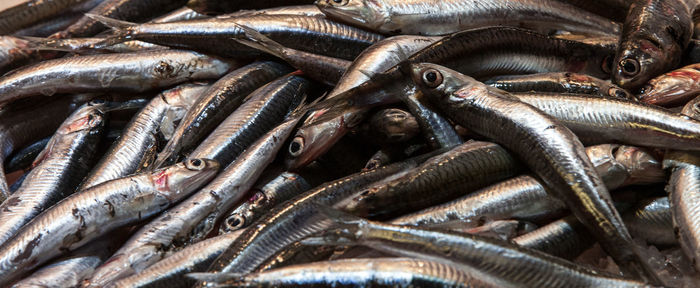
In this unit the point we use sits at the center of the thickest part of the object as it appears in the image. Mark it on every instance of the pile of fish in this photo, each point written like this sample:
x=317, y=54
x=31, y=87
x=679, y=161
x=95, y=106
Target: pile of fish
x=350, y=143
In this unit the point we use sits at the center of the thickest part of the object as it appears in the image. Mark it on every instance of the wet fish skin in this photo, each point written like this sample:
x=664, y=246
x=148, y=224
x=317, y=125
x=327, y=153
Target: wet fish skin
x=218, y=35
x=369, y=272
x=220, y=100
x=49, y=27
x=228, y=6
x=130, y=154
x=82, y=217
x=436, y=129
x=180, y=14
x=612, y=9
x=562, y=82
x=283, y=187
x=23, y=158
x=193, y=219
x=572, y=175
x=598, y=120
x=297, y=253
x=672, y=88
x=391, y=125
x=651, y=221
x=172, y=270
x=33, y=11
x=565, y=238
x=297, y=218
x=57, y=170
x=418, y=17
x=497, y=259
x=315, y=138
x=265, y=107
x=14, y=52
x=654, y=36
x=129, y=10
x=90, y=46
x=305, y=10
x=133, y=72
x=465, y=168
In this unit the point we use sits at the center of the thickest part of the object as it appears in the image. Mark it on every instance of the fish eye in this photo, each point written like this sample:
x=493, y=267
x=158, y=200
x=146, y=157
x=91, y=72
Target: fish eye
x=235, y=222
x=297, y=146
x=339, y=2
x=164, y=69
x=630, y=67
x=195, y=164
x=432, y=78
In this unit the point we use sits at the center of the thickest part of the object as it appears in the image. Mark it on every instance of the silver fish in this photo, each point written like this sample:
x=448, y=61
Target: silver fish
x=83, y=216
x=136, y=147
x=652, y=221
x=200, y=211
x=126, y=72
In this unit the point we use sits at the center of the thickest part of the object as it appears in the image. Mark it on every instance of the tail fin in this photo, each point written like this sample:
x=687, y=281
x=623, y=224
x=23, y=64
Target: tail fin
x=122, y=29
x=257, y=40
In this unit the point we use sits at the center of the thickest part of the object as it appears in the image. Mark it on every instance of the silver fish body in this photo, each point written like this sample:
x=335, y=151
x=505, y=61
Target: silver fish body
x=138, y=141
x=191, y=220
x=180, y=14
x=58, y=169
x=418, y=17
x=520, y=127
x=562, y=82
x=565, y=238
x=127, y=72
x=652, y=221
x=33, y=11
x=82, y=217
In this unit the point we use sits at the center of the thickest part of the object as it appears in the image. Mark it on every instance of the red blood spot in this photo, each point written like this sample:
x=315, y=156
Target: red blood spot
x=161, y=180
x=297, y=73
x=685, y=74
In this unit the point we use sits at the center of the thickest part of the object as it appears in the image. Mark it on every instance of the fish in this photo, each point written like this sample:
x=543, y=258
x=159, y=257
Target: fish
x=462, y=169
x=673, y=88
x=390, y=125
x=172, y=270
x=180, y=14
x=83, y=216
x=437, y=130
x=566, y=238
x=535, y=136
x=218, y=35
x=49, y=27
x=215, y=104
x=23, y=158
x=193, y=219
x=418, y=17
x=651, y=221
x=15, y=52
x=598, y=120
x=221, y=7
x=615, y=10
x=369, y=272
x=654, y=36
x=128, y=10
x=282, y=188
x=89, y=46
x=57, y=170
x=561, y=82
x=136, y=147
x=510, y=264
x=133, y=72
x=33, y=11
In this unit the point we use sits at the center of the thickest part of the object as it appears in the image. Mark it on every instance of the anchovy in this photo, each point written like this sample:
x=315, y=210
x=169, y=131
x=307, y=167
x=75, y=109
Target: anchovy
x=180, y=14
x=83, y=216
x=90, y=46
x=220, y=7
x=33, y=11
x=551, y=150
x=673, y=88
x=219, y=101
x=128, y=72
x=23, y=158
x=465, y=168
x=191, y=220
x=652, y=222
x=297, y=218
x=482, y=53
x=129, y=10
x=436, y=129
x=612, y=9
x=49, y=27
x=561, y=82
x=598, y=120
x=297, y=253
x=266, y=107
x=218, y=35
x=315, y=138
x=565, y=238
x=138, y=142
x=496, y=259
x=390, y=125
x=17, y=130
x=327, y=70
x=172, y=270
x=299, y=10
x=654, y=36
x=14, y=52
x=370, y=272
x=57, y=170
x=282, y=188
x=418, y=17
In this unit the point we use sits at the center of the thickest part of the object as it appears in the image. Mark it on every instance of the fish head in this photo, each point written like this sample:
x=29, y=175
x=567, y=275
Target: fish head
x=90, y=116
x=613, y=172
x=641, y=165
x=365, y=13
x=692, y=109
x=179, y=180
x=315, y=138
x=671, y=88
x=395, y=125
x=439, y=84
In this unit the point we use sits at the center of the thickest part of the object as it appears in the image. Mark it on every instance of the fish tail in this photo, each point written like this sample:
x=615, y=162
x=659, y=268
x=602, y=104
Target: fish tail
x=257, y=40
x=122, y=29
